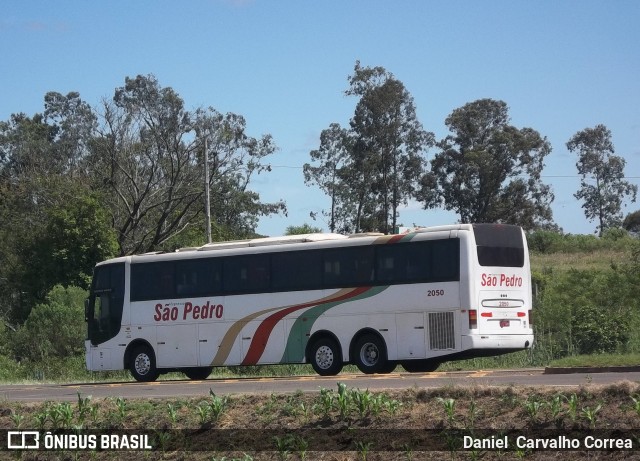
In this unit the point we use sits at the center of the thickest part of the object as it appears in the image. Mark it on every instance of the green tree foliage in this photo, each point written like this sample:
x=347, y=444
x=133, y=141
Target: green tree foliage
x=330, y=160
x=488, y=170
x=304, y=229
x=235, y=158
x=388, y=137
x=55, y=328
x=602, y=187
x=73, y=179
x=77, y=235
x=75, y=125
x=587, y=311
x=148, y=159
x=374, y=167
x=35, y=177
x=632, y=223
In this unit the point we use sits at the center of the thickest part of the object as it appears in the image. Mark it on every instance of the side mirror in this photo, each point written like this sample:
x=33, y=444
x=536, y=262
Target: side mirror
x=86, y=310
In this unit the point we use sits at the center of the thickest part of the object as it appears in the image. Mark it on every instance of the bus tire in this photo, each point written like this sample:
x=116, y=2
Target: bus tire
x=325, y=357
x=143, y=364
x=391, y=365
x=370, y=355
x=420, y=366
x=197, y=373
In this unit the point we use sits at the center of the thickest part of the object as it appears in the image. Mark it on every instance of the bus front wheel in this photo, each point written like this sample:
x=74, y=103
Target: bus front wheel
x=370, y=355
x=325, y=357
x=143, y=364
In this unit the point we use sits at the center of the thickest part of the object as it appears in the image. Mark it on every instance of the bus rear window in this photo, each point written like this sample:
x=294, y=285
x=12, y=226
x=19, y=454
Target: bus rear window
x=499, y=245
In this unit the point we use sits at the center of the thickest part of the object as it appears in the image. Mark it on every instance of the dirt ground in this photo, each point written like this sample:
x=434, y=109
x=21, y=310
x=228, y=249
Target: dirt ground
x=589, y=422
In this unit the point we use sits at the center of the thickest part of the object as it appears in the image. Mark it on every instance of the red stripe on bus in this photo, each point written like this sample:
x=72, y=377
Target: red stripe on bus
x=261, y=336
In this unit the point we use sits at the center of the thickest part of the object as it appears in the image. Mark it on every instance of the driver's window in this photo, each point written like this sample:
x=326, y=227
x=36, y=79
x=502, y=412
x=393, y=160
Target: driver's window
x=108, y=298
x=102, y=307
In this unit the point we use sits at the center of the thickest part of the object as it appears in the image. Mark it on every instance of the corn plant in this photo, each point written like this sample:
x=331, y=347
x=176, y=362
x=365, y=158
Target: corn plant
x=41, y=419
x=533, y=407
x=65, y=412
x=300, y=445
x=83, y=406
x=16, y=419
x=473, y=413
x=203, y=413
x=55, y=416
x=572, y=409
x=362, y=400
x=305, y=411
x=173, y=413
x=343, y=401
x=122, y=407
x=449, y=406
x=591, y=414
x=363, y=449
x=162, y=439
x=408, y=451
x=217, y=405
x=93, y=411
x=284, y=446
x=555, y=406
x=326, y=401
x=392, y=406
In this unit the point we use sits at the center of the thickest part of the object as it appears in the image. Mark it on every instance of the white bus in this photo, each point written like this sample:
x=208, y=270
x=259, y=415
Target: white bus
x=418, y=299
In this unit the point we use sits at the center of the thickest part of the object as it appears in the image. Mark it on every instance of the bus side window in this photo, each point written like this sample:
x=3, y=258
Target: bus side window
x=348, y=267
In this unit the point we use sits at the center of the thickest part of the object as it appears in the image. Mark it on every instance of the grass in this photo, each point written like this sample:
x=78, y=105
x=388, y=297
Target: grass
x=595, y=260
x=598, y=360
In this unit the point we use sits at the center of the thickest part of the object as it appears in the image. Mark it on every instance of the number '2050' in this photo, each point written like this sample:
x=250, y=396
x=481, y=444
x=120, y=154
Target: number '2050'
x=435, y=292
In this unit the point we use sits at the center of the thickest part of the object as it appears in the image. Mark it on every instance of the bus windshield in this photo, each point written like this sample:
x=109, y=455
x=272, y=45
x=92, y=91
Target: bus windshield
x=104, y=306
x=499, y=245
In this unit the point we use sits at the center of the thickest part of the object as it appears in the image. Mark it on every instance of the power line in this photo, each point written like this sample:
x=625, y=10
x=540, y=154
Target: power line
x=567, y=176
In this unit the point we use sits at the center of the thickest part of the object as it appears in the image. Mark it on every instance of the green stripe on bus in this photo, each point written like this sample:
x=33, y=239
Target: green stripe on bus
x=294, y=353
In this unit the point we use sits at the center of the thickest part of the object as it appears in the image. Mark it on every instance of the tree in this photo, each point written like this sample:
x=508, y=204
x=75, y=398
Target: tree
x=304, y=229
x=35, y=177
x=331, y=158
x=488, y=170
x=234, y=158
x=55, y=328
x=602, y=187
x=389, y=138
x=75, y=125
x=374, y=167
x=148, y=159
x=77, y=235
x=632, y=223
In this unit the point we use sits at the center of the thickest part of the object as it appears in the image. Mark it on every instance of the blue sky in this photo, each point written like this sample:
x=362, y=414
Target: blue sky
x=561, y=66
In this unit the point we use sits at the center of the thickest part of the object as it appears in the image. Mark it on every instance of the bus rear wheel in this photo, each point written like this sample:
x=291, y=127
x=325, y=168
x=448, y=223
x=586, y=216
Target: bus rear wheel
x=420, y=366
x=370, y=355
x=197, y=373
x=325, y=357
x=143, y=364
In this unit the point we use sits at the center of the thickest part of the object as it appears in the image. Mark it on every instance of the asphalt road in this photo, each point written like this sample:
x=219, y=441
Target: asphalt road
x=185, y=388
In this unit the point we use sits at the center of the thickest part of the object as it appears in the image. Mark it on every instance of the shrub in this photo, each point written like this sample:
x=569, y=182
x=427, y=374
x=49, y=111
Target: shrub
x=55, y=328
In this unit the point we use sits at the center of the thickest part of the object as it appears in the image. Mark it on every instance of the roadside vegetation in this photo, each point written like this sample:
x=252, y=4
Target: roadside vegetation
x=341, y=423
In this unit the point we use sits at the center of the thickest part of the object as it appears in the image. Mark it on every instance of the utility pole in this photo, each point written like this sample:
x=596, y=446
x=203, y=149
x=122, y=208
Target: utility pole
x=207, y=204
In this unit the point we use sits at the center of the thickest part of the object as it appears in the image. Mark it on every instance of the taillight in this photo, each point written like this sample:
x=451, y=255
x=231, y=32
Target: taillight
x=530, y=317
x=473, y=319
